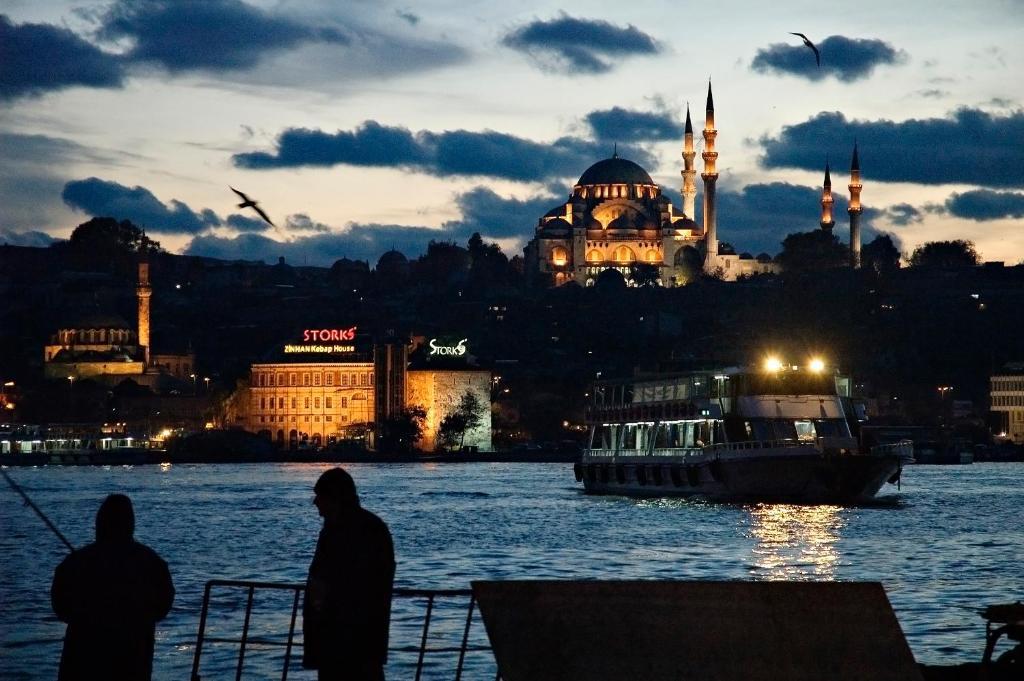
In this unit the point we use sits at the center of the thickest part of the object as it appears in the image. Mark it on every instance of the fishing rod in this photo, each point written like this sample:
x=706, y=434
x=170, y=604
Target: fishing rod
x=31, y=504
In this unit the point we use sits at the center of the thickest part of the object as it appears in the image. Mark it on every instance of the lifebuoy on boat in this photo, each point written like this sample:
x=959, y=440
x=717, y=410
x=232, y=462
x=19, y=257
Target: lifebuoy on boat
x=693, y=476
x=676, y=475
x=641, y=474
x=577, y=470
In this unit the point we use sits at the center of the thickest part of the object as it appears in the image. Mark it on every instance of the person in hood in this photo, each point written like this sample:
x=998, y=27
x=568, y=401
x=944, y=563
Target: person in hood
x=111, y=593
x=347, y=607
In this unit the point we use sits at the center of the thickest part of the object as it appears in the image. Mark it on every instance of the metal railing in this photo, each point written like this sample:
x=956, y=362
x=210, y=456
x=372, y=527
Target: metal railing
x=246, y=640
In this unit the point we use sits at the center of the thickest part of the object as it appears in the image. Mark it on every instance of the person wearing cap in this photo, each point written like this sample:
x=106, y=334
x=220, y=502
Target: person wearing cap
x=111, y=594
x=347, y=608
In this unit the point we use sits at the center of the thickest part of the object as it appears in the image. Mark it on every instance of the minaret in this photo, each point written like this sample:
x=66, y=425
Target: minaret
x=689, y=174
x=855, y=210
x=143, y=292
x=710, y=176
x=827, y=221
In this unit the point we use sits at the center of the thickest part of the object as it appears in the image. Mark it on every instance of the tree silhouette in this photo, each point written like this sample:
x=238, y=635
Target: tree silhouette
x=811, y=251
x=880, y=255
x=401, y=432
x=947, y=254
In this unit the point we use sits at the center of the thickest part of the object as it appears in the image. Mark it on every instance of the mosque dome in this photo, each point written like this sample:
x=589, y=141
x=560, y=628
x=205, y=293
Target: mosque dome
x=686, y=223
x=615, y=170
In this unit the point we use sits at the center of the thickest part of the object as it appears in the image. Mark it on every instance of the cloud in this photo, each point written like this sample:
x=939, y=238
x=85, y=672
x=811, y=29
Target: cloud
x=970, y=147
x=98, y=197
x=40, y=58
x=570, y=45
x=186, y=35
x=410, y=17
x=32, y=238
x=300, y=222
x=497, y=217
x=846, y=59
x=903, y=214
x=246, y=224
x=623, y=125
x=983, y=204
x=453, y=152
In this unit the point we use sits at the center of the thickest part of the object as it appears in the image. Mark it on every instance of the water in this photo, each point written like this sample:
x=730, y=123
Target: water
x=950, y=542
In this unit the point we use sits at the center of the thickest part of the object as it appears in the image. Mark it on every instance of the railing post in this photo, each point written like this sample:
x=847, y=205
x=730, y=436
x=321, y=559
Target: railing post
x=465, y=637
x=202, y=632
x=291, y=635
x=245, y=632
x=423, y=640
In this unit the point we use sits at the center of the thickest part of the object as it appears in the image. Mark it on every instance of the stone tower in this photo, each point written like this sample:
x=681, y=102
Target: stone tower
x=689, y=174
x=143, y=292
x=827, y=221
x=710, y=176
x=855, y=209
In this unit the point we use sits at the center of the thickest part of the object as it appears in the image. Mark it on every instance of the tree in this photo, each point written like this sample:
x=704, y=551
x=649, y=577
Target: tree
x=467, y=415
x=690, y=264
x=947, y=254
x=880, y=255
x=105, y=236
x=401, y=432
x=812, y=251
x=644, y=274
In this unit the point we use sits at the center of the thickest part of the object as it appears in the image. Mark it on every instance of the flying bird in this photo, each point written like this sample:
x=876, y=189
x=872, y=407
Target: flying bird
x=249, y=203
x=808, y=43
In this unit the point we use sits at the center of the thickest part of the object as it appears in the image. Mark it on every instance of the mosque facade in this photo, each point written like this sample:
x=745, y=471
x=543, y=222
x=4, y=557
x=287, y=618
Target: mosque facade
x=617, y=218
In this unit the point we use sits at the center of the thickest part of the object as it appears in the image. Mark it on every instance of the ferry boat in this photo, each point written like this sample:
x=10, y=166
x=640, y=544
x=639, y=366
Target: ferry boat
x=776, y=432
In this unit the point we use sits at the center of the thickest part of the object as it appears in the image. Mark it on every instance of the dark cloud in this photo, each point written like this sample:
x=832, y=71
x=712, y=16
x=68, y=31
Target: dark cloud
x=454, y=152
x=984, y=204
x=411, y=18
x=903, y=214
x=847, y=59
x=39, y=58
x=98, y=197
x=572, y=45
x=246, y=224
x=496, y=217
x=970, y=147
x=185, y=35
x=622, y=125
x=300, y=222
x=32, y=238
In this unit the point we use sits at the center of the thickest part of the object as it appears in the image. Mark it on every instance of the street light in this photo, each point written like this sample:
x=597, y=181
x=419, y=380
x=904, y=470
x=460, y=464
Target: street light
x=206, y=380
x=193, y=377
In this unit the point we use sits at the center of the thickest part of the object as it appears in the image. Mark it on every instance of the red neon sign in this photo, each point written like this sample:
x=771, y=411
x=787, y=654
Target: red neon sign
x=329, y=334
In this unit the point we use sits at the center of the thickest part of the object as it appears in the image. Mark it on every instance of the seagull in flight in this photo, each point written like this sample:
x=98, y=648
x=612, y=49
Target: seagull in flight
x=808, y=43
x=249, y=203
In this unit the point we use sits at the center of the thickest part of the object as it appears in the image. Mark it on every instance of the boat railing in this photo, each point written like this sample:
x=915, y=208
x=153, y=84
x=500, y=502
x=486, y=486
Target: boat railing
x=231, y=590
x=744, y=445
x=902, y=448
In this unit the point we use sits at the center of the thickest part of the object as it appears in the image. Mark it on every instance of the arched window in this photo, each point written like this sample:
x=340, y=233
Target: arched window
x=652, y=256
x=624, y=254
x=559, y=256
x=594, y=255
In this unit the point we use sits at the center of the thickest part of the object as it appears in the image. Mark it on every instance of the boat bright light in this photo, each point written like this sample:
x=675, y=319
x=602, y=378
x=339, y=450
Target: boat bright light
x=773, y=364
x=817, y=365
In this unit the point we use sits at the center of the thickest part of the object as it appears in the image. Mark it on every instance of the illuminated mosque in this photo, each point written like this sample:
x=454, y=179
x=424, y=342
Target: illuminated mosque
x=617, y=218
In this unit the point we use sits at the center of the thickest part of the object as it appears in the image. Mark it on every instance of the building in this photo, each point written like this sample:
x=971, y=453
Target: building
x=617, y=218
x=333, y=386
x=1007, y=393
x=105, y=347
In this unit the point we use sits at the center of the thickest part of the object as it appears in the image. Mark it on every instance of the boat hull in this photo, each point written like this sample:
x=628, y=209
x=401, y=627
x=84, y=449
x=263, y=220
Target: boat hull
x=802, y=477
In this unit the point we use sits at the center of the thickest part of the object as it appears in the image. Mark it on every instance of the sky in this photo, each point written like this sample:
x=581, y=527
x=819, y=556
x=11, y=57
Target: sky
x=363, y=126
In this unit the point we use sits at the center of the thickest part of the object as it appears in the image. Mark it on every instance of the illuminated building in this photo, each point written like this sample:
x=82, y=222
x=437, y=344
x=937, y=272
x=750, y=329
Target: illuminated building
x=103, y=346
x=617, y=218
x=313, y=393
x=1007, y=393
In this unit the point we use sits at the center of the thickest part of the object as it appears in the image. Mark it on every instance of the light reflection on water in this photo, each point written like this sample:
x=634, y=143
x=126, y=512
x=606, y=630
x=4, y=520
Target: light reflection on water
x=949, y=543
x=796, y=542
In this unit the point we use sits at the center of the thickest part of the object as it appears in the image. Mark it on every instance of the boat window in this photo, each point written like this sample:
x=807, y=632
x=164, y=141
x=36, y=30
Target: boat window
x=630, y=437
x=762, y=430
x=831, y=428
x=784, y=430
x=805, y=431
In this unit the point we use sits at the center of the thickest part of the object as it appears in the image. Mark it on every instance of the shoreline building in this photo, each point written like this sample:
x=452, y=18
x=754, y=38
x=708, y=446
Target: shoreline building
x=105, y=347
x=333, y=385
x=1007, y=396
x=617, y=218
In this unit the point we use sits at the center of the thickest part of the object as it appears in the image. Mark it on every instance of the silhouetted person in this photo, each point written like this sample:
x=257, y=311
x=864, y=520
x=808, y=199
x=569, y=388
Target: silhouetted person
x=111, y=593
x=347, y=610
